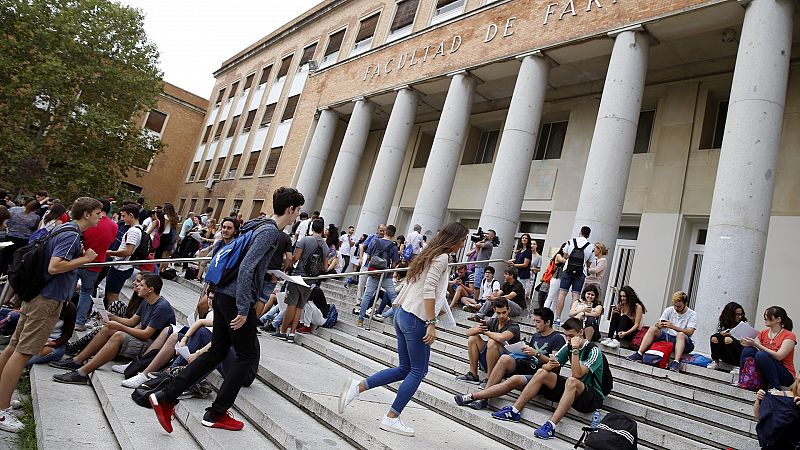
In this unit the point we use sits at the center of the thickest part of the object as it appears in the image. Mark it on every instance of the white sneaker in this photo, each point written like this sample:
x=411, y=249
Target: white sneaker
x=119, y=368
x=348, y=393
x=135, y=381
x=713, y=366
x=605, y=341
x=377, y=318
x=9, y=422
x=613, y=344
x=735, y=371
x=16, y=404
x=396, y=426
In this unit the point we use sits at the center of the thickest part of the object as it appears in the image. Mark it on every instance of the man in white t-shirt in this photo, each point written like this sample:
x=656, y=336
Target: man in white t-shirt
x=676, y=325
x=415, y=239
x=130, y=241
x=573, y=281
x=302, y=227
x=345, y=247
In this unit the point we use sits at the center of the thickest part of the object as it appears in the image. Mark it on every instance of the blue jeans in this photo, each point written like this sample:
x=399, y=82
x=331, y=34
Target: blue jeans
x=55, y=355
x=414, y=355
x=772, y=371
x=478, y=275
x=88, y=281
x=369, y=293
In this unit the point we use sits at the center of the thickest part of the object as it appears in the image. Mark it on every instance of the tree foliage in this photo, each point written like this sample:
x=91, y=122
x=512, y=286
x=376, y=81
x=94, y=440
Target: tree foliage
x=76, y=77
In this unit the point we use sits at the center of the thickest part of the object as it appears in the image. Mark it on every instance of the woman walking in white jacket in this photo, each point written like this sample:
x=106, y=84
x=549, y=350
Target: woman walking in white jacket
x=420, y=303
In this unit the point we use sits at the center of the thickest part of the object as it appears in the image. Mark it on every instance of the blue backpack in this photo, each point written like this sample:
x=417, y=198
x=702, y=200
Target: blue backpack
x=333, y=315
x=408, y=253
x=224, y=265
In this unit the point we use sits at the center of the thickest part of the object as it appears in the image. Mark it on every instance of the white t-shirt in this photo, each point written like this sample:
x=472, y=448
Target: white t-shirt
x=167, y=225
x=415, y=241
x=588, y=252
x=302, y=229
x=132, y=236
x=344, y=248
x=686, y=320
x=146, y=224
x=488, y=287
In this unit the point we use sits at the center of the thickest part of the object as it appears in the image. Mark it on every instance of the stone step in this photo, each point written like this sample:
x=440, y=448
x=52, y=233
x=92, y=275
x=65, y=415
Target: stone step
x=707, y=434
x=283, y=422
x=190, y=414
x=57, y=427
x=134, y=426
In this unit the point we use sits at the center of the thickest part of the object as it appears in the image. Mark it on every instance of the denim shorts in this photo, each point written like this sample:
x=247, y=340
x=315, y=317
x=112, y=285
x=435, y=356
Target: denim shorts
x=574, y=284
x=482, y=356
x=664, y=336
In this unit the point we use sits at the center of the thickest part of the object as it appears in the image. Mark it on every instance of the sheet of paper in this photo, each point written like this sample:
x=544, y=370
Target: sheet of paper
x=103, y=314
x=182, y=351
x=744, y=330
x=515, y=348
x=6, y=244
x=290, y=278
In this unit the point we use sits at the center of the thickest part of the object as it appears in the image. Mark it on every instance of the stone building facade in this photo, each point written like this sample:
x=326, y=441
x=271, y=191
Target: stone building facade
x=177, y=119
x=670, y=128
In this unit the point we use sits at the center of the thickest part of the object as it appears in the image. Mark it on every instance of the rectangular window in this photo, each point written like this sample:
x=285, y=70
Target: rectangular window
x=269, y=111
x=219, y=97
x=248, y=122
x=551, y=141
x=234, y=86
x=218, y=169
x=291, y=106
x=252, y=162
x=334, y=42
x=248, y=82
x=218, y=131
x=308, y=54
x=192, y=205
x=207, y=134
x=204, y=173
x=404, y=16
x=367, y=28
x=644, y=131
x=285, y=63
x=272, y=162
x=237, y=207
x=484, y=153
x=218, y=209
x=424, y=146
x=206, y=202
x=446, y=9
x=719, y=124
x=234, y=123
x=264, y=75
x=181, y=204
x=258, y=205
x=155, y=121
x=234, y=166
x=193, y=172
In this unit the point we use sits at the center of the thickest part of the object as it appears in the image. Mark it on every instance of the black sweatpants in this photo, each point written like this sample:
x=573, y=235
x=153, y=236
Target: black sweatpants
x=245, y=344
x=620, y=322
x=729, y=353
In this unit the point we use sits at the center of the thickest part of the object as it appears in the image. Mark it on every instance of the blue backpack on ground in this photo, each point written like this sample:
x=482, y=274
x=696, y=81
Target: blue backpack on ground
x=333, y=316
x=224, y=264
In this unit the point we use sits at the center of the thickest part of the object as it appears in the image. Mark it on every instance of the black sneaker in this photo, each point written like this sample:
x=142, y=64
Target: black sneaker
x=461, y=400
x=290, y=338
x=67, y=364
x=73, y=377
x=469, y=377
x=279, y=335
x=479, y=404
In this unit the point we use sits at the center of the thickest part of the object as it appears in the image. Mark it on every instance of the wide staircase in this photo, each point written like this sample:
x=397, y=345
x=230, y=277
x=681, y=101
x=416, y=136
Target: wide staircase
x=293, y=402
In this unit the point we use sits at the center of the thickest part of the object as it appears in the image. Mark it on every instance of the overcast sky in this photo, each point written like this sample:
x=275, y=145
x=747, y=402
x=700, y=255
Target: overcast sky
x=195, y=37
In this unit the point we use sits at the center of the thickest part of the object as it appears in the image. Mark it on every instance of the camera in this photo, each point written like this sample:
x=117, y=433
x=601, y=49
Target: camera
x=480, y=236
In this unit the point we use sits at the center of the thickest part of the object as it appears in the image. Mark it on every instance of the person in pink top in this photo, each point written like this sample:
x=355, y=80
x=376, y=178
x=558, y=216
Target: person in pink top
x=97, y=238
x=773, y=349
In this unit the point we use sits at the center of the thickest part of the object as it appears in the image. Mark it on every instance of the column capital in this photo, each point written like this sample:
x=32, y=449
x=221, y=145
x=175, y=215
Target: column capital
x=638, y=27
x=537, y=54
x=404, y=86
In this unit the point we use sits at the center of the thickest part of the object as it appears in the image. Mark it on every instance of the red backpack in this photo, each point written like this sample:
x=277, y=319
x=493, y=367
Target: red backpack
x=749, y=376
x=658, y=354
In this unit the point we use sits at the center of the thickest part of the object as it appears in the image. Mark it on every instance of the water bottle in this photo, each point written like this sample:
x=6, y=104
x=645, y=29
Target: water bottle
x=595, y=418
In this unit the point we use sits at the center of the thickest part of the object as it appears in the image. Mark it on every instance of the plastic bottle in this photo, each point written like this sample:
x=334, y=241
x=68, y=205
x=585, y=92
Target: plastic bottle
x=595, y=418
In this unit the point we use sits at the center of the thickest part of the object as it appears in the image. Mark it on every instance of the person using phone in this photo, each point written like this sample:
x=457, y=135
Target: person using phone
x=676, y=325
x=498, y=331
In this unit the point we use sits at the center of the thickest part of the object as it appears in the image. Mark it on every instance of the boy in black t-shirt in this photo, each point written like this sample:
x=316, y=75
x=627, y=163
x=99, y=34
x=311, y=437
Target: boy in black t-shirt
x=518, y=367
x=500, y=330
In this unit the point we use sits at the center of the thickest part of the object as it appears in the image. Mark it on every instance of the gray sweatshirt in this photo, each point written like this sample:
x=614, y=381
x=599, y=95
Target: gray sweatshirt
x=247, y=285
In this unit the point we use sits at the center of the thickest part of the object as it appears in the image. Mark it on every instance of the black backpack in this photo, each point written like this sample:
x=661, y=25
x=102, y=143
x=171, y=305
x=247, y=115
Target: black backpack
x=313, y=264
x=26, y=271
x=380, y=260
x=607, y=384
x=576, y=259
x=615, y=432
x=142, y=250
x=141, y=395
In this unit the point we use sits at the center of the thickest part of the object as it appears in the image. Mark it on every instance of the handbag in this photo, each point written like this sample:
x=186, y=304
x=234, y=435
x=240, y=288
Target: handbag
x=749, y=375
x=637, y=340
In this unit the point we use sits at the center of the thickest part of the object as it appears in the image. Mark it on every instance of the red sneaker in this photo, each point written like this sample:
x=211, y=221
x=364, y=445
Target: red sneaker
x=164, y=410
x=223, y=421
x=303, y=329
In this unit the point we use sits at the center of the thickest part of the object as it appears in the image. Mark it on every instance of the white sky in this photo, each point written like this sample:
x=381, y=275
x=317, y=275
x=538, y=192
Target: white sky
x=189, y=52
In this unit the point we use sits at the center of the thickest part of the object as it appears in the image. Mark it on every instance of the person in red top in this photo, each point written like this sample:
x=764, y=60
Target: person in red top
x=97, y=238
x=773, y=349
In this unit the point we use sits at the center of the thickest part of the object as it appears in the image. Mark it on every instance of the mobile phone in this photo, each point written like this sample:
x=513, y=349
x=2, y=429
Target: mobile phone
x=483, y=322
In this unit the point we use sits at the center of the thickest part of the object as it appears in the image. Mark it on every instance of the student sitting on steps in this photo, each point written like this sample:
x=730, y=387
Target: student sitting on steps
x=676, y=325
x=499, y=330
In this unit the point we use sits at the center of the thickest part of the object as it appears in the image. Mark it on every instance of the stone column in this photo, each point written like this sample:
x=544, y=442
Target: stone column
x=740, y=210
x=317, y=156
x=608, y=166
x=440, y=173
x=347, y=165
x=386, y=174
x=514, y=157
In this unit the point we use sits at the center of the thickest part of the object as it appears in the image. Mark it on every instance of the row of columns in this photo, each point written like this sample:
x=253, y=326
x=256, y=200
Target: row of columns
x=743, y=190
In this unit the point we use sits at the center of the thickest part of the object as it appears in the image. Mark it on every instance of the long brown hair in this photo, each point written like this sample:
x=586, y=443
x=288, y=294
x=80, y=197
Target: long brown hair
x=443, y=242
x=169, y=211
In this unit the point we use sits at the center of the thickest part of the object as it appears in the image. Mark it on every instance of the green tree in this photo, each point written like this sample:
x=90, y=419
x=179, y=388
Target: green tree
x=76, y=77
